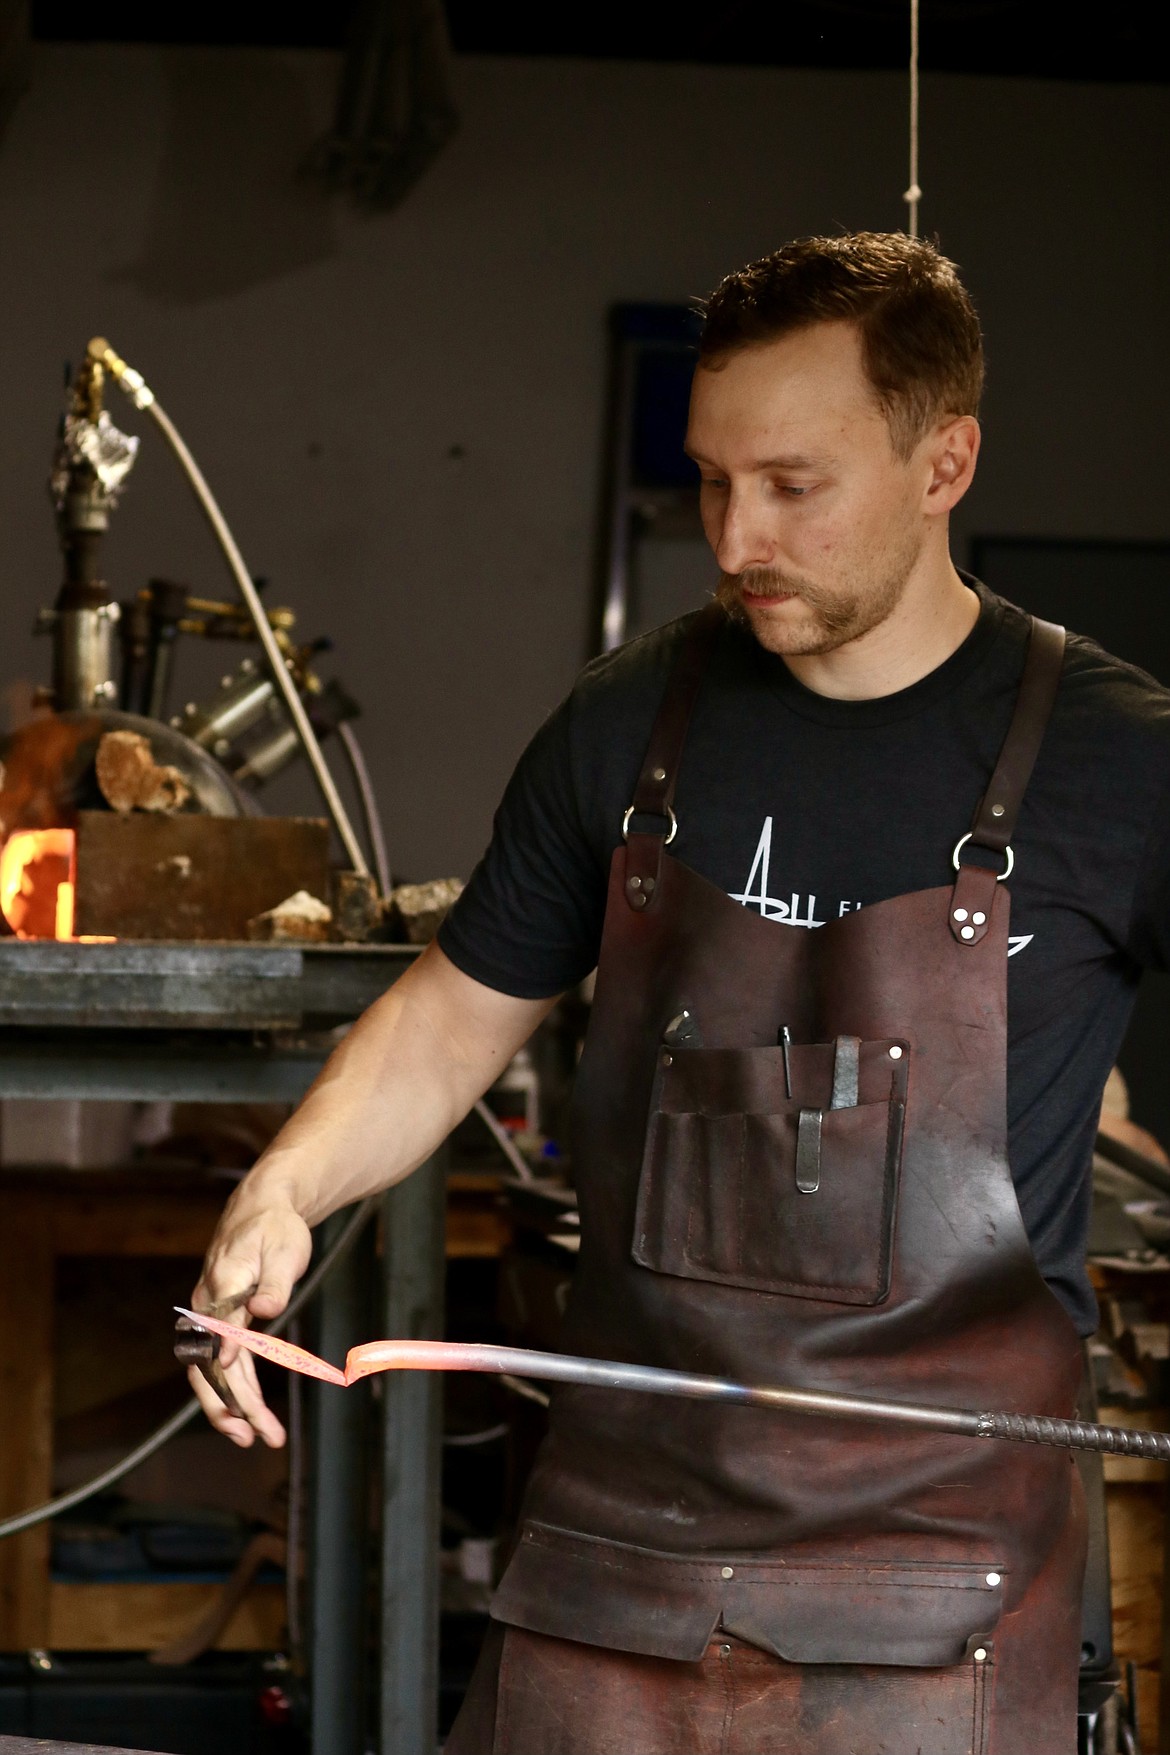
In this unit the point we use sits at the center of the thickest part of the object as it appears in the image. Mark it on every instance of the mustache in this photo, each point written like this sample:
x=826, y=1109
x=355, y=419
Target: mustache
x=759, y=582
x=832, y=612
x=734, y=586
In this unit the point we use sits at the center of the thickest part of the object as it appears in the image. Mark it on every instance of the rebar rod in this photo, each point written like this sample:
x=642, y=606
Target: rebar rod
x=654, y=1380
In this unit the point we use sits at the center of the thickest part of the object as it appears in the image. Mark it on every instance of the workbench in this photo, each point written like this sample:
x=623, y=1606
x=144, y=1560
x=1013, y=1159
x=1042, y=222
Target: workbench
x=222, y=1023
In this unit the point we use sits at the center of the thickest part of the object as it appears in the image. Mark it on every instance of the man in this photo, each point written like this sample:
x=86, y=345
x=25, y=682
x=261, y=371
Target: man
x=783, y=828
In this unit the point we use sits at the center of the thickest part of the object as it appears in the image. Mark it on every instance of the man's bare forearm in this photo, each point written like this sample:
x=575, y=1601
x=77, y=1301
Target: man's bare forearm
x=408, y=1071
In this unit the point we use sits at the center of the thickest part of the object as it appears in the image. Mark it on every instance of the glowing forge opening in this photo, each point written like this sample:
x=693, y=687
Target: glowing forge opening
x=37, y=882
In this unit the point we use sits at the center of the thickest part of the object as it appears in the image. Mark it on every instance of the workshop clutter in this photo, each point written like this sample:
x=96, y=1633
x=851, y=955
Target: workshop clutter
x=176, y=960
x=151, y=864
x=146, y=877
x=122, y=819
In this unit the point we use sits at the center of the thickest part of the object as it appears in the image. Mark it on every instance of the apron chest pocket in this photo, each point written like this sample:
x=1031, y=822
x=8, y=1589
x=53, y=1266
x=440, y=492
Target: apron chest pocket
x=744, y=1185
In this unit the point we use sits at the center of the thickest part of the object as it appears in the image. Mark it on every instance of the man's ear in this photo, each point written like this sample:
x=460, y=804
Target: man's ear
x=952, y=451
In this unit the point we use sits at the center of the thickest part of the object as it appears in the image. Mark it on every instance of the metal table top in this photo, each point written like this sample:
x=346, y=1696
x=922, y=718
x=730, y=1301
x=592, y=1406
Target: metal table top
x=213, y=1023
x=161, y=984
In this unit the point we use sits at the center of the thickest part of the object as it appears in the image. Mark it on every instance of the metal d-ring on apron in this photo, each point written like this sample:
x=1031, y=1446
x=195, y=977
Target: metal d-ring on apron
x=813, y=1189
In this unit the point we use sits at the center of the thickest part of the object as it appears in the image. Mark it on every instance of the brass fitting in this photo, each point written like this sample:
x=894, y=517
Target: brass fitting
x=87, y=389
x=132, y=382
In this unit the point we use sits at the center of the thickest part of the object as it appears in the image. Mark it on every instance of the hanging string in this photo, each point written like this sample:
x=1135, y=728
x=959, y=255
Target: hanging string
x=913, y=194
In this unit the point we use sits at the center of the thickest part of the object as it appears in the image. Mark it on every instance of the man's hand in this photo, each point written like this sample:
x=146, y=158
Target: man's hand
x=256, y=1257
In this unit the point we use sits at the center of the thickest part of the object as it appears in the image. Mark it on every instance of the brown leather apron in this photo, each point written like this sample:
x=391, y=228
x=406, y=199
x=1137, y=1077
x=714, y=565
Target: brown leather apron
x=846, y=1221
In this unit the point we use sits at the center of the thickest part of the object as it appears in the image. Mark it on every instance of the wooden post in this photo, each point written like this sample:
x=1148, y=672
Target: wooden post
x=26, y=1408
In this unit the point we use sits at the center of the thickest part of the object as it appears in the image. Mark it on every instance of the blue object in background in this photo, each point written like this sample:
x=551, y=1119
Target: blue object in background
x=663, y=340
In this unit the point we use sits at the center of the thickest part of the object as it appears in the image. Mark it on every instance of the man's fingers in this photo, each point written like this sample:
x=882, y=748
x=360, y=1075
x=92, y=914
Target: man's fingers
x=254, y=1268
x=246, y=1388
x=239, y=1431
x=259, y=1418
x=210, y=1297
x=224, y=1307
x=283, y=1260
x=230, y=1309
x=269, y=1300
x=253, y=1264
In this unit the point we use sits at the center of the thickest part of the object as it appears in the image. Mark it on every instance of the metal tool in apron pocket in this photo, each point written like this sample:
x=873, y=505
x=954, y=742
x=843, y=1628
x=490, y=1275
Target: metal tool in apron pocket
x=846, y=1077
x=682, y=1032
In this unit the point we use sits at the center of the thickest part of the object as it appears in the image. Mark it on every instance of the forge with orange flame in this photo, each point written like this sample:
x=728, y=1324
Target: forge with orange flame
x=37, y=882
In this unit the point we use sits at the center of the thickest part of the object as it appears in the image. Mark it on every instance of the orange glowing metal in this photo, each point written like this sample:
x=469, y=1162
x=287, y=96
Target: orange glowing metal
x=364, y=1360
x=38, y=886
x=502, y=1361
x=269, y=1347
x=63, y=916
x=36, y=882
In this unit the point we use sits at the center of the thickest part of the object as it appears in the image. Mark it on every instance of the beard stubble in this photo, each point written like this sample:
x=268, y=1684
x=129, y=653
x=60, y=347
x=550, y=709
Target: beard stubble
x=837, y=614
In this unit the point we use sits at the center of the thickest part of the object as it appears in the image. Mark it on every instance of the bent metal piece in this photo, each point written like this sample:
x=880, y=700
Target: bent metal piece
x=375, y=1356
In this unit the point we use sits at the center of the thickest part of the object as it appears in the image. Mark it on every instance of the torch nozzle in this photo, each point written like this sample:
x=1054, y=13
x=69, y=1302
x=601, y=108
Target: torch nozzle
x=132, y=382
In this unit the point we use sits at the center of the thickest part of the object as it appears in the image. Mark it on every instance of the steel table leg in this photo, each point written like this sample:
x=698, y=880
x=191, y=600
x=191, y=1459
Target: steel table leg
x=338, y=1541
x=413, y=1268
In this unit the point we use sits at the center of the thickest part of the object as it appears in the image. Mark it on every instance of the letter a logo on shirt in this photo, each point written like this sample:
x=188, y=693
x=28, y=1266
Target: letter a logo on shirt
x=771, y=907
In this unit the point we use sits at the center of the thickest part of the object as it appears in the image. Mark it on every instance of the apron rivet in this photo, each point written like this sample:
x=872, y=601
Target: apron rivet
x=727, y=1572
x=997, y=810
x=993, y=1579
x=636, y=884
x=980, y=1655
x=895, y=1052
x=668, y=1060
x=979, y=919
x=960, y=913
x=966, y=932
x=659, y=774
x=725, y=1651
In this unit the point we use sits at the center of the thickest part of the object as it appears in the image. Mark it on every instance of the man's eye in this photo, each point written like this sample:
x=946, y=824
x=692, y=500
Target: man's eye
x=791, y=490
x=713, y=481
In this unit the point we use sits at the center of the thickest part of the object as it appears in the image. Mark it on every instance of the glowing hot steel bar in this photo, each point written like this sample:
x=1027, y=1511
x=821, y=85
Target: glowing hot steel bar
x=375, y=1356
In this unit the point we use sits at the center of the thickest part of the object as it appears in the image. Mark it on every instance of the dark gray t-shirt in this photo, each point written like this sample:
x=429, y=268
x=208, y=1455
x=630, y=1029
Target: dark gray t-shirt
x=803, y=807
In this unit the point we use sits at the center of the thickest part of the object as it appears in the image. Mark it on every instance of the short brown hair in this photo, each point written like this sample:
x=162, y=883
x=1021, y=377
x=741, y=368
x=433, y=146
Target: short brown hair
x=920, y=335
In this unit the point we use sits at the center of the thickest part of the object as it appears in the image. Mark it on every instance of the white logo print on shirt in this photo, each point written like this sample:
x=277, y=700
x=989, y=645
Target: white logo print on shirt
x=800, y=910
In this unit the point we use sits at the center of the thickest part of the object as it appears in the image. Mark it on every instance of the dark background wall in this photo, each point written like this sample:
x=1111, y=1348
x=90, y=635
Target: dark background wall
x=402, y=413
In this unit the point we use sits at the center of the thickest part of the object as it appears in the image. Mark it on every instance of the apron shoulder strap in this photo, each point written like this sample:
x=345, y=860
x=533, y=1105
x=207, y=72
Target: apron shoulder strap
x=654, y=793
x=995, y=818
